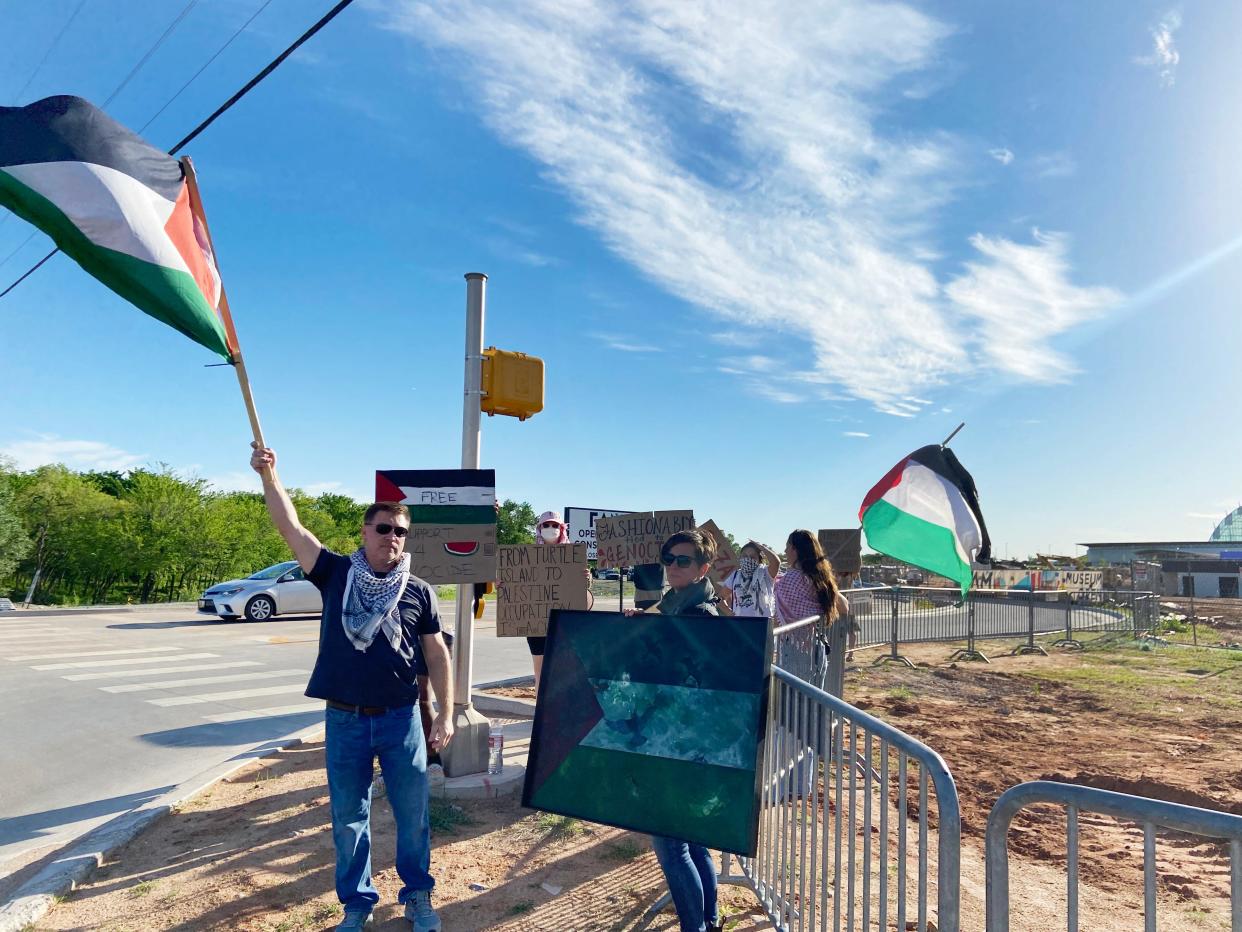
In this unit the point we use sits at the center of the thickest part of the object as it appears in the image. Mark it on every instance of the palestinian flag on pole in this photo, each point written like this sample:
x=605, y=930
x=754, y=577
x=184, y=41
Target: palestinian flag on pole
x=926, y=512
x=119, y=207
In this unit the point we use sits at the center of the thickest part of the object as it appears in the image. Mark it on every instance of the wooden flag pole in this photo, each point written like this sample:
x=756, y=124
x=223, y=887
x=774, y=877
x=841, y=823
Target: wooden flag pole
x=226, y=316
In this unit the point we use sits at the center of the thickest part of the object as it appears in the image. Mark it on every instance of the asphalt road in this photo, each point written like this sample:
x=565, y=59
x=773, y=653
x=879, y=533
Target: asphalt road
x=106, y=711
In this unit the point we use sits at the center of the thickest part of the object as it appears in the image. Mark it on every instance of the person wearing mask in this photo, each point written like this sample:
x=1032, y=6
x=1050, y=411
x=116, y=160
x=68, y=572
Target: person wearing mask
x=688, y=868
x=550, y=529
x=748, y=589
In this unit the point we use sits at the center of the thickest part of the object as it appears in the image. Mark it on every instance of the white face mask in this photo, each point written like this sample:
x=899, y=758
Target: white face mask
x=550, y=534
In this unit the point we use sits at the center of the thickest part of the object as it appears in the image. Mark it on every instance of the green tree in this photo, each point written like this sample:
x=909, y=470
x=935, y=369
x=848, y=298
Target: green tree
x=14, y=542
x=515, y=523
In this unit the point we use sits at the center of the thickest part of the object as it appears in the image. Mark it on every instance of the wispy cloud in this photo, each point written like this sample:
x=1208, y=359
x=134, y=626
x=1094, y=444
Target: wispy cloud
x=625, y=345
x=1164, y=56
x=749, y=178
x=1019, y=297
x=853, y=433
x=1004, y=156
x=1054, y=165
x=76, y=454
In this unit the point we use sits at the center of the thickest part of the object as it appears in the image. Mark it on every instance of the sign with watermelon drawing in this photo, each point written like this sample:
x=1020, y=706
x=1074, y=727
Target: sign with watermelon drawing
x=452, y=535
x=641, y=725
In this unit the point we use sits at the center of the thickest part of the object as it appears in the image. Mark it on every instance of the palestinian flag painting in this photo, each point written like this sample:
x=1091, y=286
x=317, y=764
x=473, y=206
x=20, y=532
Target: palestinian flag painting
x=639, y=724
x=118, y=207
x=452, y=535
x=925, y=511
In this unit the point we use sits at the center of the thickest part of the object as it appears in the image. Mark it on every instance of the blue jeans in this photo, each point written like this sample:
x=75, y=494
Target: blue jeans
x=691, y=877
x=352, y=743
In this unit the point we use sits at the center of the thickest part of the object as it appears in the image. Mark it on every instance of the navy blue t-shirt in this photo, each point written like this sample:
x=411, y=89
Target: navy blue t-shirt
x=379, y=675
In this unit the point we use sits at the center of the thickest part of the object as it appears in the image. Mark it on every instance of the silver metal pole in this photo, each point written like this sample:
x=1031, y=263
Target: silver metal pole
x=471, y=447
x=468, y=752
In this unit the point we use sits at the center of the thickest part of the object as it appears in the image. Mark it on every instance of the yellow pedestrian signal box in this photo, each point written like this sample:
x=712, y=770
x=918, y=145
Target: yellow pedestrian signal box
x=512, y=384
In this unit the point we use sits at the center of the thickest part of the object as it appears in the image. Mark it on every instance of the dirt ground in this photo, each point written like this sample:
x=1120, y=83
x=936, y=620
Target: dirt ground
x=1219, y=620
x=255, y=852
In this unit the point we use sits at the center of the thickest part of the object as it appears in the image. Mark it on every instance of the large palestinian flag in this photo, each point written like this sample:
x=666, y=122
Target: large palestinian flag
x=116, y=205
x=653, y=724
x=926, y=512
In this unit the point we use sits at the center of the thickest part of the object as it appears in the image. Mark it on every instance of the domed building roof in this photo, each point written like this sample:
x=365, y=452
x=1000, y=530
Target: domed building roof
x=1230, y=527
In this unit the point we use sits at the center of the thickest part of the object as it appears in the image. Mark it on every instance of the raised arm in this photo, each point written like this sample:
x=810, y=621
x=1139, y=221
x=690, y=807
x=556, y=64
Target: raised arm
x=303, y=543
x=774, y=562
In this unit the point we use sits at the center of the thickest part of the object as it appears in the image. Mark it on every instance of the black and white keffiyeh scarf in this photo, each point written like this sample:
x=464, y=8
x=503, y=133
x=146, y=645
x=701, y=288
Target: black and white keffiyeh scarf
x=370, y=601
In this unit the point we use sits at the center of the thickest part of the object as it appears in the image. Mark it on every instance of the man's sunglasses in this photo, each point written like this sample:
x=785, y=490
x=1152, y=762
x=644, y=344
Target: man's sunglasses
x=682, y=561
x=383, y=530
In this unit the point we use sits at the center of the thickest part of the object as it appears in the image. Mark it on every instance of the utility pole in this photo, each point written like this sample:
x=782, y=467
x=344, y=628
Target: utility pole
x=467, y=753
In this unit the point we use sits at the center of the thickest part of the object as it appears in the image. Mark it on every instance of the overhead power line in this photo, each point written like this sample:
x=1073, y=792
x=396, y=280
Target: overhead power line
x=51, y=48
x=220, y=111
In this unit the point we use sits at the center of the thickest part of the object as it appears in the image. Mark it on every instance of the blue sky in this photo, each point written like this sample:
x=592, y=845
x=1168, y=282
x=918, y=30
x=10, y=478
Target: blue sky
x=765, y=250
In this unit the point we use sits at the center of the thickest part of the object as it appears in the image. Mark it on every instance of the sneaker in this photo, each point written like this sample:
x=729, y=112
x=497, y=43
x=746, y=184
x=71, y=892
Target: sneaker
x=418, y=910
x=354, y=920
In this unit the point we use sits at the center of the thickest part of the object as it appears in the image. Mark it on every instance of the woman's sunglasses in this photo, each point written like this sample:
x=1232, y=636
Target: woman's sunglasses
x=682, y=561
x=383, y=530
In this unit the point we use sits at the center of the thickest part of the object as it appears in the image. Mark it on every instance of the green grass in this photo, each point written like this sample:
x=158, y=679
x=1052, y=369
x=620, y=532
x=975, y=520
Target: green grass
x=902, y=693
x=1150, y=676
x=141, y=888
x=558, y=826
x=325, y=911
x=627, y=849
x=525, y=906
x=446, y=817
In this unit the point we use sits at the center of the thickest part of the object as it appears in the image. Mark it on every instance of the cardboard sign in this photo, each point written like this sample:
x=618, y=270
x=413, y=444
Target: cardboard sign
x=628, y=540
x=534, y=579
x=843, y=548
x=452, y=535
x=726, y=559
x=581, y=524
x=618, y=738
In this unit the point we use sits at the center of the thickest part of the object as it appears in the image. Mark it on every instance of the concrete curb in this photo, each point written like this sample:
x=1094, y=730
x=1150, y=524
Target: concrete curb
x=504, y=705
x=31, y=901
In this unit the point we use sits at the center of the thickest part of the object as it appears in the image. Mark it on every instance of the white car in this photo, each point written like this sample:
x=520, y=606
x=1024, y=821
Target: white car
x=278, y=590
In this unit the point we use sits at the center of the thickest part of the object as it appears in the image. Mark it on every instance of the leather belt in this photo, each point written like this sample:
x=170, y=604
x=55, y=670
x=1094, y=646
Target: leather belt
x=357, y=709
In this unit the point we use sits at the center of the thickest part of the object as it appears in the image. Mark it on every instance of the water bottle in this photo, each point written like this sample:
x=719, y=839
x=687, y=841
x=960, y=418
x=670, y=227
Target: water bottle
x=495, y=752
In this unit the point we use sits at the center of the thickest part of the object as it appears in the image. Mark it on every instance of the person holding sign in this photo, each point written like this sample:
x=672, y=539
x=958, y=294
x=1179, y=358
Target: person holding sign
x=550, y=530
x=688, y=868
x=748, y=588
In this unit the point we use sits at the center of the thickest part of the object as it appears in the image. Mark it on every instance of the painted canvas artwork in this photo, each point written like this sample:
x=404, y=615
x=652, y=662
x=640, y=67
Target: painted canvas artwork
x=653, y=723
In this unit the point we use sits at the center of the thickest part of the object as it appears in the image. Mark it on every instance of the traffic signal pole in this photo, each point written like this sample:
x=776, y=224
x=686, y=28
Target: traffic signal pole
x=467, y=753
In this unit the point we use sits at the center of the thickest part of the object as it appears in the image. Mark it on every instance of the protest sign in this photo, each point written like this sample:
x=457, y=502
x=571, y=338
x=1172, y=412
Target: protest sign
x=581, y=524
x=726, y=559
x=843, y=548
x=534, y=579
x=452, y=535
x=628, y=540
x=618, y=738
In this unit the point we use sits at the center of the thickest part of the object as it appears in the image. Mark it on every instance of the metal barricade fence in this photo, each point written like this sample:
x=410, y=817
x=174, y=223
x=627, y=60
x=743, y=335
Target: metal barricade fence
x=919, y=614
x=1150, y=813
x=849, y=808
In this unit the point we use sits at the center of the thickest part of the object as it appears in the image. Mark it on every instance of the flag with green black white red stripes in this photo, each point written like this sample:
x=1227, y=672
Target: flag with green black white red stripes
x=119, y=207
x=925, y=511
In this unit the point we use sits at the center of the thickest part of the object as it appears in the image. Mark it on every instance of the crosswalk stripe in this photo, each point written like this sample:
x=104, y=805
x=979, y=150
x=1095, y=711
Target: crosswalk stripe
x=96, y=653
x=202, y=681
x=223, y=717
x=188, y=668
x=84, y=664
x=231, y=695
x=36, y=633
